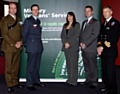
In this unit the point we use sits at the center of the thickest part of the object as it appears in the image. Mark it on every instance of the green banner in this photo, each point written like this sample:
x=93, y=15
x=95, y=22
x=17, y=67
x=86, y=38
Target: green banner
x=53, y=15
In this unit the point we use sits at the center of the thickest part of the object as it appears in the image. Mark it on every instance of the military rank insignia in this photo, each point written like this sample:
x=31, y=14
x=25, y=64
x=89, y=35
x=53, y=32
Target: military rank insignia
x=107, y=44
x=20, y=23
x=112, y=23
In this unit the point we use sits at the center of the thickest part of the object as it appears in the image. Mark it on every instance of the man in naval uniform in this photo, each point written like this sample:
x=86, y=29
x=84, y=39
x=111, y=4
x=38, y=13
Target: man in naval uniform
x=107, y=48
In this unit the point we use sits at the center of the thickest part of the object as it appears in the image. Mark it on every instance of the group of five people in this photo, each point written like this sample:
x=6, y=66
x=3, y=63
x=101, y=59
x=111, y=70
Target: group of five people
x=92, y=38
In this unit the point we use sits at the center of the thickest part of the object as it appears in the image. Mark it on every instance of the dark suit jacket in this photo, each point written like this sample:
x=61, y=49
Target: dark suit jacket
x=90, y=34
x=71, y=38
x=110, y=32
x=31, y=34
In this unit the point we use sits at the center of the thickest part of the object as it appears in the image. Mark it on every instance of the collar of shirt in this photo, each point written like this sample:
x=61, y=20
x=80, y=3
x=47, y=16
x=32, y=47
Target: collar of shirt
x=14, y=16
x=108, y=19
x=89, y=18
x=35, y=17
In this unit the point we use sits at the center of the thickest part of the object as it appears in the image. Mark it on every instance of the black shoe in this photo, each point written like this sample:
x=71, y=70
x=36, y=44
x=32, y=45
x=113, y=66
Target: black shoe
x=39, y=84
x=10, y=89
x=32, y=88
x=104, y=89
x=70, y=84
x=19, y=86
x=84, y=83
x=92, y=86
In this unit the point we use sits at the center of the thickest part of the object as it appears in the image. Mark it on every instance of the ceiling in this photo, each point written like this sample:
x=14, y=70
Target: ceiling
x=11, y=0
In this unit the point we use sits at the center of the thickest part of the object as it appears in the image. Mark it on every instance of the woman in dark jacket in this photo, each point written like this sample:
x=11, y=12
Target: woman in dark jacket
x=70, y=40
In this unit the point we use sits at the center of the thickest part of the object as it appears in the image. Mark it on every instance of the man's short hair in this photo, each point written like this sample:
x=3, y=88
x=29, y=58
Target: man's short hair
x=89, y=7
x=12, y=3
x=34, y=6
x=107, y=7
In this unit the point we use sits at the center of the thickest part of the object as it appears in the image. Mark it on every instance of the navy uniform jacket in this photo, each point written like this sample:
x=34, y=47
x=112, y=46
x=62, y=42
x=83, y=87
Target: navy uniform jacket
x=31, y=34
x=110, y=33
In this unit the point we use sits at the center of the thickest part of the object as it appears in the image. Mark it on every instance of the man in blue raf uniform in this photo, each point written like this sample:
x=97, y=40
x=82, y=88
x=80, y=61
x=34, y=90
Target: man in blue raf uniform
x=32, y=40
x=107, y=48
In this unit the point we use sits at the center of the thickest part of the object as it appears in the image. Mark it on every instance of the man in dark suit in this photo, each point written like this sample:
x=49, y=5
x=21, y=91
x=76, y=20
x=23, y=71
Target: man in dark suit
x=11, y=27
x=32, y=40
x=107, y=48
x=88, y=42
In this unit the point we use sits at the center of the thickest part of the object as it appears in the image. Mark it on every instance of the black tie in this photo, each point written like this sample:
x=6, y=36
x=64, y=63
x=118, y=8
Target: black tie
x=105, y=23
x=85, y=23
